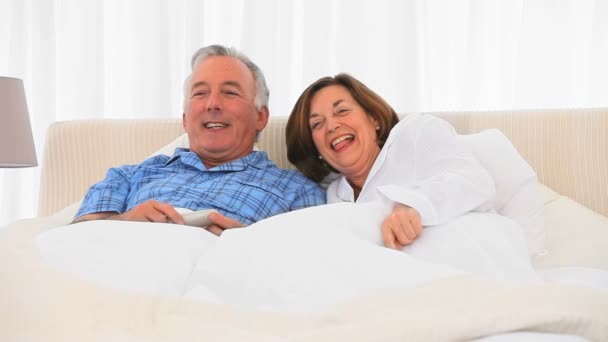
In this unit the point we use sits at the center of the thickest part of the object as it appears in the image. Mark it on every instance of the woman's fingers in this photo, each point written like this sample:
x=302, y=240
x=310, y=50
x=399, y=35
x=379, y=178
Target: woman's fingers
x=403, y=232
x=401, y=227
x=388, y=237
x=392, y=236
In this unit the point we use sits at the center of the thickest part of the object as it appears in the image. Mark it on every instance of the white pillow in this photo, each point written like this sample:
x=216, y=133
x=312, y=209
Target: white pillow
x=518, y=194
x=181, y=141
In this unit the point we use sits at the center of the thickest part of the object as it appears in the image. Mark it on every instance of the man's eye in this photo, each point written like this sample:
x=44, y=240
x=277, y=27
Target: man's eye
x=231, y=93
x=200, y=93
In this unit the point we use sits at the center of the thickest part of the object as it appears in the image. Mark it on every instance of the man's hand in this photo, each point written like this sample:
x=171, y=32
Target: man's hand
x=151, y=211
x=401, y=227
x=221, y=223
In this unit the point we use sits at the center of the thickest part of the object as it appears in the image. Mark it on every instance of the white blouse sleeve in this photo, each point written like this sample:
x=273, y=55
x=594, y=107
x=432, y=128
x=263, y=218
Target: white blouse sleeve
x=447, y=179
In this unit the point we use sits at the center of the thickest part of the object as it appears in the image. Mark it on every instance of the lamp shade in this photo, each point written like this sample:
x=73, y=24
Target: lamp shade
x=16, y=142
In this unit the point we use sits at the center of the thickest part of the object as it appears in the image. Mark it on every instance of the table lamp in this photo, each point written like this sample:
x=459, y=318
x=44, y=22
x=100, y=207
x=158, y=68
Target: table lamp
x=16, y=142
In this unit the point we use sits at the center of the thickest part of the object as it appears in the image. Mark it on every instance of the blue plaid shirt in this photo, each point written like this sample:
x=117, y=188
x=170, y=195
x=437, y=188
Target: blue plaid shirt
x=247, y=189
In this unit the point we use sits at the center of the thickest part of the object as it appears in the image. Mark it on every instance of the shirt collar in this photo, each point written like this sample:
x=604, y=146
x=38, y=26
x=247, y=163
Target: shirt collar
x=344, y=191
x=257, y=159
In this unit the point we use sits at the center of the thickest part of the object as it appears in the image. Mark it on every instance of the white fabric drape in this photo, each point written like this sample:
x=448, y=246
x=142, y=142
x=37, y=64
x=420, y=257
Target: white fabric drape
x=125, y=59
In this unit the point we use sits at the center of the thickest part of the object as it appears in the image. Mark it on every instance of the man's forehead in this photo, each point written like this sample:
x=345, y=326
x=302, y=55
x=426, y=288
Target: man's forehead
x=222, y=65
x=222, y=70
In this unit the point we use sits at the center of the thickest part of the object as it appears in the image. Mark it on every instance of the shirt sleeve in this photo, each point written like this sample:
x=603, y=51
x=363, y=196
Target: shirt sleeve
x=448, y=180
x=310, y=194
x=110, y=194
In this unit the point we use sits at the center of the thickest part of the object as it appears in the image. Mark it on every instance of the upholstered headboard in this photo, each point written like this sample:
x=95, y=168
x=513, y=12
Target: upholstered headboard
x=567, y=148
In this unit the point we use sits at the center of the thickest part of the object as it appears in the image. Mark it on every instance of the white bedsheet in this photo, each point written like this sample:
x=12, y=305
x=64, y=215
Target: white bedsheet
x=305, y=260
x=577, y=276
x=531, y=337
x=141, y=257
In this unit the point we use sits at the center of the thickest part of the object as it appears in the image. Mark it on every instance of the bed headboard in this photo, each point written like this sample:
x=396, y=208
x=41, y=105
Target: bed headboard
x=567, y=148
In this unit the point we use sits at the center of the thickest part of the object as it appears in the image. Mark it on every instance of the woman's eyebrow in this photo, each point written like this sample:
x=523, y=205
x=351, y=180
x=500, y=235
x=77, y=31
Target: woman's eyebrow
x=335, y=104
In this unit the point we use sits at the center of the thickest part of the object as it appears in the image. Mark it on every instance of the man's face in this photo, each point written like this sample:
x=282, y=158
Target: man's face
x=220, y=118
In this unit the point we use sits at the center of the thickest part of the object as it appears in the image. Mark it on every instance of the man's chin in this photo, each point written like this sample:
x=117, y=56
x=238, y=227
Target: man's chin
x=221, y=156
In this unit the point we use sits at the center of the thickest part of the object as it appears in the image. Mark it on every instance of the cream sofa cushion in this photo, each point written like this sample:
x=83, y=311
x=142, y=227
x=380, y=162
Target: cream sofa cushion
x=575, y=236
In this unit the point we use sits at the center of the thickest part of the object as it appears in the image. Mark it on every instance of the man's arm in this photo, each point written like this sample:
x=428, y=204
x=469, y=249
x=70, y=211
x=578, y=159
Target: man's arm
x=95, y=216
x=107, y=197
x=149, y=211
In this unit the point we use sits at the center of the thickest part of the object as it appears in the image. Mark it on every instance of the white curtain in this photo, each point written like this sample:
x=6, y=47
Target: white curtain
x=127, y=58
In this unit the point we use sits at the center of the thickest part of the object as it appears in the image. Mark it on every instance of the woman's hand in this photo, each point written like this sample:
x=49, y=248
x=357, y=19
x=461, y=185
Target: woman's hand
x=401, y=227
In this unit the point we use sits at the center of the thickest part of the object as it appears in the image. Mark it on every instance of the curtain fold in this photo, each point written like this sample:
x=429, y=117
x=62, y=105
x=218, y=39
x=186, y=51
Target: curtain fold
x=127, y=59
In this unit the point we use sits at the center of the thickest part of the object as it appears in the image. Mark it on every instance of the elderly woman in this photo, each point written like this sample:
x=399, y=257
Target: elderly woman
x=415, y=165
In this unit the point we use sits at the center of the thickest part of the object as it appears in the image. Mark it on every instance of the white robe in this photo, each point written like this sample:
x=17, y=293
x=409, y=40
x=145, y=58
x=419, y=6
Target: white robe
x=424, y=166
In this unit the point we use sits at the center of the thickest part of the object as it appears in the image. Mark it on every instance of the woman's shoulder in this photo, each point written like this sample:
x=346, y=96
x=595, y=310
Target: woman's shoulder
x=410, y=126
x=419, y=119
x=413, y=124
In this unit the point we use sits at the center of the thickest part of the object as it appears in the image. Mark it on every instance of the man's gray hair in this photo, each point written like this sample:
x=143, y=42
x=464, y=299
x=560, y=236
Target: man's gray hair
x=261, y=90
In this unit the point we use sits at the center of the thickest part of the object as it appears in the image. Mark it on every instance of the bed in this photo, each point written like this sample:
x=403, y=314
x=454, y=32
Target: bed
x=159, y=282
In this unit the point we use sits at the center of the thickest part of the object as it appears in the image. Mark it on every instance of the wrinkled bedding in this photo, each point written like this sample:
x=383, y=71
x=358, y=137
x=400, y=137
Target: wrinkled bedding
x=313, y=274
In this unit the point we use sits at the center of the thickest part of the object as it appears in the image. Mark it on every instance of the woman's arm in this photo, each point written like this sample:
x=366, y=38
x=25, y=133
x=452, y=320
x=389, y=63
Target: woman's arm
x=447, y=180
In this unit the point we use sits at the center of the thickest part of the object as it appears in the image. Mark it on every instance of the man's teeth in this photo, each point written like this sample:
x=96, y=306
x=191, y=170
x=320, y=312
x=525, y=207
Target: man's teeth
x=340, y=139
x=215, y=125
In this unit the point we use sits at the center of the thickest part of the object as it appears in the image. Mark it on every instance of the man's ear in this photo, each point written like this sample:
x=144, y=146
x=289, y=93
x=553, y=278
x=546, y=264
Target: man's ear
x=263, y=115
x=184, y=121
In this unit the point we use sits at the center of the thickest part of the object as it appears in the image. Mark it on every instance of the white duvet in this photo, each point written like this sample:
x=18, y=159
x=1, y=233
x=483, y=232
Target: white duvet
x=301, y=261
x=317, y=274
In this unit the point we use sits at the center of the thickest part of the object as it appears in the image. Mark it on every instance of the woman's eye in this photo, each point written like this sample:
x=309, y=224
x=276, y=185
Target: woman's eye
x=342, y=111
x=315, y=125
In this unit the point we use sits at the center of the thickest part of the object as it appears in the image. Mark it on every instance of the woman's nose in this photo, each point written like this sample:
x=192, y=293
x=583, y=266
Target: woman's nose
x=333, y=125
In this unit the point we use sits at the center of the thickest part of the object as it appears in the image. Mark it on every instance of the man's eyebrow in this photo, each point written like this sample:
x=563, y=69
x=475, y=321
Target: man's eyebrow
x=198, y=84
x=227, y=83
x=233, y=83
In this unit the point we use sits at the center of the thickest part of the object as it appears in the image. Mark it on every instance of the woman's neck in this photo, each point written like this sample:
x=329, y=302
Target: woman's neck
x=357, y=174
x=357, y=182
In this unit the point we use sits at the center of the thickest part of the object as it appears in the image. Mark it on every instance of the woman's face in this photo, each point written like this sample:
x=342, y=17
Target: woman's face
x=343, y=132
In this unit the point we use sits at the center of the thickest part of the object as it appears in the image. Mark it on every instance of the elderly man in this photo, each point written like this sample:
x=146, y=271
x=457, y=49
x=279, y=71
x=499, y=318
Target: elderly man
x=225, y=108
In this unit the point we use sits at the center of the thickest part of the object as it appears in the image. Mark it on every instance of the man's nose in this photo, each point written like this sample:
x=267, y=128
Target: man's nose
x=214, y=101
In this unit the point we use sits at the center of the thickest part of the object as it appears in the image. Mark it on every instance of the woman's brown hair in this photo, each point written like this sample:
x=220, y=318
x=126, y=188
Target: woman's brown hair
x=301, y=150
